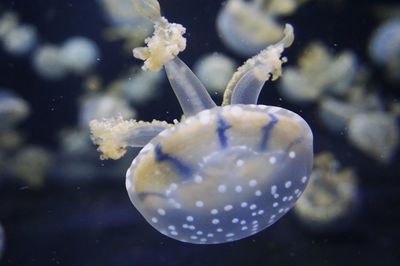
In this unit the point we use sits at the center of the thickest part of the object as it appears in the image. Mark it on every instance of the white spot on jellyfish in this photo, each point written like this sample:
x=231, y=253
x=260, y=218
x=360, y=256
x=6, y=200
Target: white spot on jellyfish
x=253, y=207
x=214, y=211
x=229, y=234
x=275, y=204
x=273, y=216
x=198, y=179
x=253, y=214
x=252, y=183
x=173, y=186
x=210, y=235
x=221, y=188
x=304, y=179
x=297, y=191
x=174, y=233
x=258, y=193
x=284, y=199
x=219, y=230
x=205, y=118
x=292, y=154
x=281, y=210
x=193, y=237
x=215, y=221
x=244, y=228
x=185, y=226
x=288, y=184
x=276, y=196
x=242, y=222
x=273, y=189
x=171, y=227
x=260, y=212
x=161, y=212
x=236, y=111
x=154, y=220
x=272, y=160
x=254, y=222
x=235, y=220
x=290, y=198
x=238, y=189
x=243, y=204
x=203, y=240
x=239, y=163
x=190, y=219
x=228, y=207
x=199, y=233
x=199, y=204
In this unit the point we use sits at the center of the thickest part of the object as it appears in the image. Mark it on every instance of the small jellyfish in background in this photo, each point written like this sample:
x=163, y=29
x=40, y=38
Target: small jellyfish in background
x=79, y=54
x=20, y=40
x=375, y=133
x=224, y=172
x=384, y=46
x=47, y=62
x=30, y=165
x=318, y=72
x=103, y=105
x=13, y=109
x=138, y=86
x=207, y=67
x=247, y=27
x=2, y=240
x=126, y=22
x=332, y=198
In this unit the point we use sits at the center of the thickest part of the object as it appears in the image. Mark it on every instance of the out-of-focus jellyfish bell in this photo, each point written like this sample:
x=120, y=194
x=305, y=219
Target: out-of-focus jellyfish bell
x=215, y=70
x=384, y=46
x=245, y=28
x=99, y=106
x=8, y=22
x=12, y=109
x=138, y=86
x=20, y=40
x=48, y=63
x=331, y=200
x=126, y=22
x=79, y=54
x=376, y=134
x=31, y=165
x=318, y=72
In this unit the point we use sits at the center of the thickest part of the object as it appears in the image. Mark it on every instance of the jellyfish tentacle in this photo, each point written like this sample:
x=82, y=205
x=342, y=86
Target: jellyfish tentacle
x=247, y=82
x=114, y=135
x=192, y=95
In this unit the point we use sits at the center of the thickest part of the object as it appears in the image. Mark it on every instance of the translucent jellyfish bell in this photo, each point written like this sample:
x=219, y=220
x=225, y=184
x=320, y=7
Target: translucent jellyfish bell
x=224, y=172
x=20, y=40
x=79, y=54
x=48, y=63
x=12, y=109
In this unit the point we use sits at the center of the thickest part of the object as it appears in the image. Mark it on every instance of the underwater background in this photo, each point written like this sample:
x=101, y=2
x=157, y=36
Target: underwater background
x=61, y=205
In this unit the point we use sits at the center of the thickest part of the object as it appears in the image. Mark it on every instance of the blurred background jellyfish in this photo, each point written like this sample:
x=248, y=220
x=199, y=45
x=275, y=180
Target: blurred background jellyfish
x=126, y=22
x=215, y=70
x=98, y=106
x=20, y=40
x=318, y=72
x=13, y=109
x=332, y=197
x=138, y=86
x=384, y=46
x=375, y=133
x=79, y=54
x=246, y=27
x=31, y=165
x=48, y=63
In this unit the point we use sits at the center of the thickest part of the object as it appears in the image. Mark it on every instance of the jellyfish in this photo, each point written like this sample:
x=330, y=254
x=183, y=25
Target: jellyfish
x=79, y=54
x=332, y=197
x=48, y=63
x=376, y=134
x=20, y=40
x=247, y=27
x=223, y=173
x=13, y=109
x=31, y=165
x=103, y=105
x=384, y=46
x=319, y=72
x=210, y=64
x=138, y=86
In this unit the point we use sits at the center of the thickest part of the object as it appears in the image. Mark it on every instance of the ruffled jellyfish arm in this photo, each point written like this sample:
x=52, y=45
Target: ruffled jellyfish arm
x=246, y=83
x=148, y=8
x=114, y=135
x=162, y=50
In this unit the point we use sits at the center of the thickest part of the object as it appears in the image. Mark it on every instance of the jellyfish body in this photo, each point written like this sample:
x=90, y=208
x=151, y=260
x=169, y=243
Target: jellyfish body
x=223, y=173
